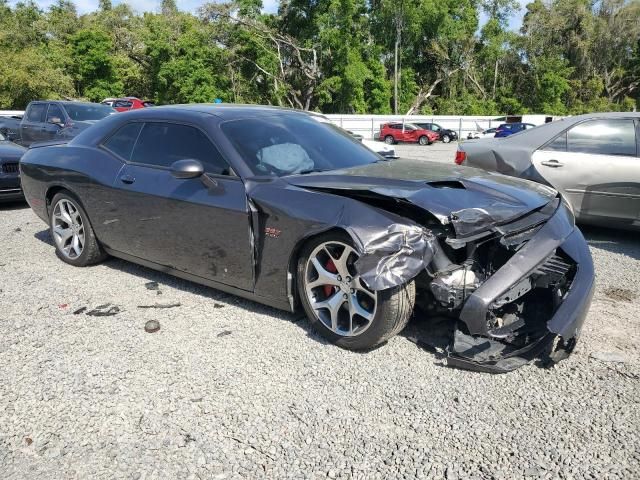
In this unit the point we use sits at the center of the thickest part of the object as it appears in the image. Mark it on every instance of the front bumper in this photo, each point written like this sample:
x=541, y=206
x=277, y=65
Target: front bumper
x=564, y=326
x=10, y=188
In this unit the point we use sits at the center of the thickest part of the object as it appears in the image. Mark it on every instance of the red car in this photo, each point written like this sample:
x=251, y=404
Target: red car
x=392, y=133
x=126, y=103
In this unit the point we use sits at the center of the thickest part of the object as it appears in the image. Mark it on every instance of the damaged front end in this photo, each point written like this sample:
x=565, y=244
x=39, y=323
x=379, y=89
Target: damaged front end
x=499, y=258
x=519, y=292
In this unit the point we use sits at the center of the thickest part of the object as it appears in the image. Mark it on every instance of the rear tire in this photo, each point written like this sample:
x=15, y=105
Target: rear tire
x=423, y=140
x=334, y=310
x=389, y=140
x=72, y=234
x=446, y=138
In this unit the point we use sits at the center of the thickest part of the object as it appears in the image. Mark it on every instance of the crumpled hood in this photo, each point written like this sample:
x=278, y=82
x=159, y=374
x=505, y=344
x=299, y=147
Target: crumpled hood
x=471, y=200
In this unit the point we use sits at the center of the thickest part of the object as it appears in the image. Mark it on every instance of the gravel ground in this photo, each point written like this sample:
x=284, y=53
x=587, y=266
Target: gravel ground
x=228, y=388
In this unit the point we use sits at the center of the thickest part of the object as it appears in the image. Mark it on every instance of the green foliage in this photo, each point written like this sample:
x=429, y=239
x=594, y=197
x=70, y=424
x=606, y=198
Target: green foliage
x=570, y=57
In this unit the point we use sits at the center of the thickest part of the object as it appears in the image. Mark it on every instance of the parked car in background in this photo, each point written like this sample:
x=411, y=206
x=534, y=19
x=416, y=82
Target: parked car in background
x=58, y=120
x=593, y=160
x=272, y=205
x=382, y=149
x=507, y=129
x=10, y=127
x=445, y=135
x=126, y=103
x=10, y=155
x=392, y=133
x=489, y=132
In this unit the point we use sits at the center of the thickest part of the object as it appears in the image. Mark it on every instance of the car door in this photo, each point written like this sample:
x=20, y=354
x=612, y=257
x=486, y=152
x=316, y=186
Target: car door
x=53, y=123
x=408, y=133
x=595, y=165
x=32, y=123
x=199, y=225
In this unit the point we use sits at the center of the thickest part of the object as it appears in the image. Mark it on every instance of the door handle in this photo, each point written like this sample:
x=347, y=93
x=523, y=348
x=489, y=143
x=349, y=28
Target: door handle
x=128, y=179
x=551, y=163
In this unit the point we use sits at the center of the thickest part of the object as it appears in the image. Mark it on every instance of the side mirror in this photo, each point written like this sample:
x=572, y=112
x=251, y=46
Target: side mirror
x=188, y=168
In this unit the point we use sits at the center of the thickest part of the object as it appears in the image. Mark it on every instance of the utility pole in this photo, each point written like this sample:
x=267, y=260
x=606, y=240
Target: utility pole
x=396, y=74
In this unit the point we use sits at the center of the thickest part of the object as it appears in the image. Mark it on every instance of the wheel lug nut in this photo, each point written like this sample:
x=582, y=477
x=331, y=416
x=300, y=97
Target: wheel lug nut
x=339, y=278
x=348, y=279
x=345, y=296
x=353, y=290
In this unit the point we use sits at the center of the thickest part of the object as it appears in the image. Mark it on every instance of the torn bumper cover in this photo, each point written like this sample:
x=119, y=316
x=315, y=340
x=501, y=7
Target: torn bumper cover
x=480, y=348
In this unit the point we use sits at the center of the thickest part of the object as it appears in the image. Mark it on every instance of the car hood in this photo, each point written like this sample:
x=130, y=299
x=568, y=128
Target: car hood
x=471, y=200
x=11, y=150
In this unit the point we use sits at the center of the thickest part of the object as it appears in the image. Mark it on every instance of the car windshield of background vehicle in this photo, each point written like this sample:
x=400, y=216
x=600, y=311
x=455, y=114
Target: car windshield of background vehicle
x=83, y=113
x=603, y=137
x=288, y=144
x=2, y=138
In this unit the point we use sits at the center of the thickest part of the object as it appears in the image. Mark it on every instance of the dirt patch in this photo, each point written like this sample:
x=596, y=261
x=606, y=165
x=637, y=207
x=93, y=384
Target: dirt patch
x=620, y=294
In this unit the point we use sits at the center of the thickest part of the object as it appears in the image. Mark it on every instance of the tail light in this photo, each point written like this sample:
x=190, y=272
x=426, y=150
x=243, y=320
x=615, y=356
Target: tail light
x=461, y=156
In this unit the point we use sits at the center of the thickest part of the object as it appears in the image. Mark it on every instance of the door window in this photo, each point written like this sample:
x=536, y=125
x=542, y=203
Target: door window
x=162, y=144
x=54, y=114
x=558, y=144
x=36, y=112
x=122, y=142
x=603, y=137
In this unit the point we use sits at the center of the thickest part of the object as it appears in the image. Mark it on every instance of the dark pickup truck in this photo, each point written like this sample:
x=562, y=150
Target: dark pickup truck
x=47, y=120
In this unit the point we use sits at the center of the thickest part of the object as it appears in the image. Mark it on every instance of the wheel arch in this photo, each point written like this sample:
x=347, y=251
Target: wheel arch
x=53, y=190
x=292, y=268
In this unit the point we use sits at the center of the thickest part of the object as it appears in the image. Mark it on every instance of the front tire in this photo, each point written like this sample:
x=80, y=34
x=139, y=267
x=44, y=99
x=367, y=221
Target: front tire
x=423, y=140
x=73, y=236
x=389, y=140
x=339, y=305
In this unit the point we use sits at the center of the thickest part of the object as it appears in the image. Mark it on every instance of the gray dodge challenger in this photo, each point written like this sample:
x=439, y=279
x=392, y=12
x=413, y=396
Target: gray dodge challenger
x=593, y=160
x=272, y=205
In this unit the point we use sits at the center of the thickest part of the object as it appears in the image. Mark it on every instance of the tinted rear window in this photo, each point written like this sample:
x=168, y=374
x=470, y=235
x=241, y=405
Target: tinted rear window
x=122, y=142
x=85, y=112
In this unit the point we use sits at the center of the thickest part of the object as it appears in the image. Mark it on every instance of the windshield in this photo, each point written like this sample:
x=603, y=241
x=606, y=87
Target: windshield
x=85, y=112
x=287, y=144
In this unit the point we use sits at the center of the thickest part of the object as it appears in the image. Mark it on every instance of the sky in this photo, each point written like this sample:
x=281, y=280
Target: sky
x=85, y=6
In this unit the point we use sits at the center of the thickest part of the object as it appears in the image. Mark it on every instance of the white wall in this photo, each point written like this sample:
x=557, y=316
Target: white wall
x=367, y=125
x=11, y=113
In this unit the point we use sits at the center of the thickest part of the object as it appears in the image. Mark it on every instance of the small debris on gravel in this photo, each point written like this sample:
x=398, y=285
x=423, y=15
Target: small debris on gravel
x=63, y=305
x=28, y=441
x=620, y=294
x=80, y=310
x=218, y=305
x=224, y=333
x=161, y=305
x=18, y=229
x=609, y=357
x=151, y=285
x=106, y=310
x=152, y=326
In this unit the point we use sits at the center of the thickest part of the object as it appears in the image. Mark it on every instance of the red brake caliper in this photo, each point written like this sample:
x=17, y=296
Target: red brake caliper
x=329, y=289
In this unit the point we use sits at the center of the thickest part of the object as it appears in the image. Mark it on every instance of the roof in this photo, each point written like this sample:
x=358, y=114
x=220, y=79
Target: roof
x=229, y=111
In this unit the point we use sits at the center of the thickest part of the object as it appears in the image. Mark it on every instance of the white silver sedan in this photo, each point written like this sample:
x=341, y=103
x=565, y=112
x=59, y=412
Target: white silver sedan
x=593, y=160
